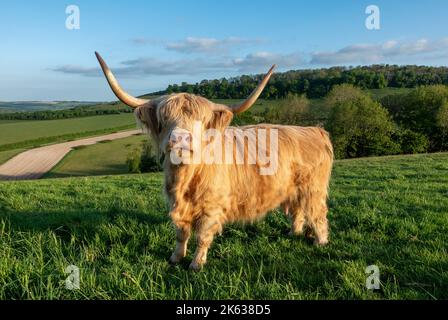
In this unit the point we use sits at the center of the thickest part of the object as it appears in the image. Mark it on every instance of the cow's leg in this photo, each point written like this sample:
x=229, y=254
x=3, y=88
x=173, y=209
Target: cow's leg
x=297, y=217
x=206, y=230
x=317, y=216
x=183, y=232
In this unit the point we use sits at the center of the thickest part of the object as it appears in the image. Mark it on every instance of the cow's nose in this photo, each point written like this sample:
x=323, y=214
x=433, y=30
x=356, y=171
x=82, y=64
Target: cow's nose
x=177, y=137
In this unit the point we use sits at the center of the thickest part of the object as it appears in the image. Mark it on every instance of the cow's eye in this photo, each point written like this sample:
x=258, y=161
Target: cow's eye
x=187, y=111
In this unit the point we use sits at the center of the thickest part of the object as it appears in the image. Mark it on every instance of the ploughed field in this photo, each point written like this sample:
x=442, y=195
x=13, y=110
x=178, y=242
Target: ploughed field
x=391, y=212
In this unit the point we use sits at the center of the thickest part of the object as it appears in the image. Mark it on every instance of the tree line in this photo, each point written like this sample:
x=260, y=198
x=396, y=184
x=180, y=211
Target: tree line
x=316, y=83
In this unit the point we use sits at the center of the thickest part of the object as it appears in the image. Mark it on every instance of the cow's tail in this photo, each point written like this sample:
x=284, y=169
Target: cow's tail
x=326, y=166
x=327, y=143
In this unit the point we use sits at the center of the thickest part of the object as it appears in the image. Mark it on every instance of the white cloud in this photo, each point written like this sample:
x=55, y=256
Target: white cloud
x=195, y=45
x=212, y=65
x=136, y=68
x=379, y=53
x=257, y=60
x=152, y=66
x=146, y=41
x=73, y=69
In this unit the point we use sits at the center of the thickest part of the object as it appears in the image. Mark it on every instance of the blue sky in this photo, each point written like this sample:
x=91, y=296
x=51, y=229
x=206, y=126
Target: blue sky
x=150, y=44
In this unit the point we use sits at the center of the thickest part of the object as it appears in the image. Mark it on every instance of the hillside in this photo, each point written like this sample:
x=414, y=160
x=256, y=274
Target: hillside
x=20, y=106
x=388, y=211
x=19, y=135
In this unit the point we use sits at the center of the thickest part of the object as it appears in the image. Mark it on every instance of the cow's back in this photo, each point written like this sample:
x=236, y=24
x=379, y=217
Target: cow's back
x=302, y=151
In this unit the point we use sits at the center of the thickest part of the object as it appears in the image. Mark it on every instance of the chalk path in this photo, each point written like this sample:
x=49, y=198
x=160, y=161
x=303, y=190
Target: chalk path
x=34, y=163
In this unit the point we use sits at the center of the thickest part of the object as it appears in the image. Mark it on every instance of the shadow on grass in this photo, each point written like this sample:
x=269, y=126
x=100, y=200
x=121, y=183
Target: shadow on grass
x=111, y=169
x=82, y=224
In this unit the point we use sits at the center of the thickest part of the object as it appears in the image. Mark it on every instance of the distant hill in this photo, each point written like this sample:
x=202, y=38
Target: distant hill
x=21, y=106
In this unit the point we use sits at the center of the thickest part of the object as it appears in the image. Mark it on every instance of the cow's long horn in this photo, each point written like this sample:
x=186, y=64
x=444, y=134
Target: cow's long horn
x=238, y=108
x=119, y=92
x=220, y=107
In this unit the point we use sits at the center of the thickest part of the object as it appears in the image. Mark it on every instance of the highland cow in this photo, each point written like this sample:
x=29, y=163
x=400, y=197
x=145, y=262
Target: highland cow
x=203, y=196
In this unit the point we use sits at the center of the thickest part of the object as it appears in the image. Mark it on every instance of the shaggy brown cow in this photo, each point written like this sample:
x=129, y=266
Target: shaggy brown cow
x=205, y=196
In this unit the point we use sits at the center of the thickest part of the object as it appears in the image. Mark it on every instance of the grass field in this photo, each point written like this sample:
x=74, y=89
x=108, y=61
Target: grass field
x=380, y=93
x=98, y=159
x=8, y=121
x=259, y=106
x=391, y=212
x=30, y=134
x=30, y=130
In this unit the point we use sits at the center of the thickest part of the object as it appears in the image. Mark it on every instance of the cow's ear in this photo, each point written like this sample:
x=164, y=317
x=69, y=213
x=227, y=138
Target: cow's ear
x=146, y=115
x=221, y=119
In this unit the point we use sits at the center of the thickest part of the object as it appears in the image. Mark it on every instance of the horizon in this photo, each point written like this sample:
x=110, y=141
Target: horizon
x=46, y=61
x=114, y=98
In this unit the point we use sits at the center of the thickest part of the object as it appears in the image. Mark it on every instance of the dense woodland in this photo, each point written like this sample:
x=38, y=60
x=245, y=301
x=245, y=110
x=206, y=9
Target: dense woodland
x=317, y=83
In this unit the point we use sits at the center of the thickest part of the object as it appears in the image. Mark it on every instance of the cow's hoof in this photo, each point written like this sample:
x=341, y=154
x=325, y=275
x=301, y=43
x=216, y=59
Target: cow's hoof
x=195, y=266
x=293, y=233
x=175, y=259
x=320, y=243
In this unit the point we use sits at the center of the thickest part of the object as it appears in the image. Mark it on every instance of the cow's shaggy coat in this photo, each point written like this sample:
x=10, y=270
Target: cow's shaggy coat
x=204, y=197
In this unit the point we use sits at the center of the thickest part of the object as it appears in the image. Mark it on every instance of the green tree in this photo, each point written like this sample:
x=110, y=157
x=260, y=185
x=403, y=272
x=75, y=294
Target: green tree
x=424, y=110
x=149, y=160
x=343, y=93
x=361, y=127
x=411, y=142
x=133, y=161
x=292, y=110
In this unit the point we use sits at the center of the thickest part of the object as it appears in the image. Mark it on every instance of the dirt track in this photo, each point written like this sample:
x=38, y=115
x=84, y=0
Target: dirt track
x=34, y=163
